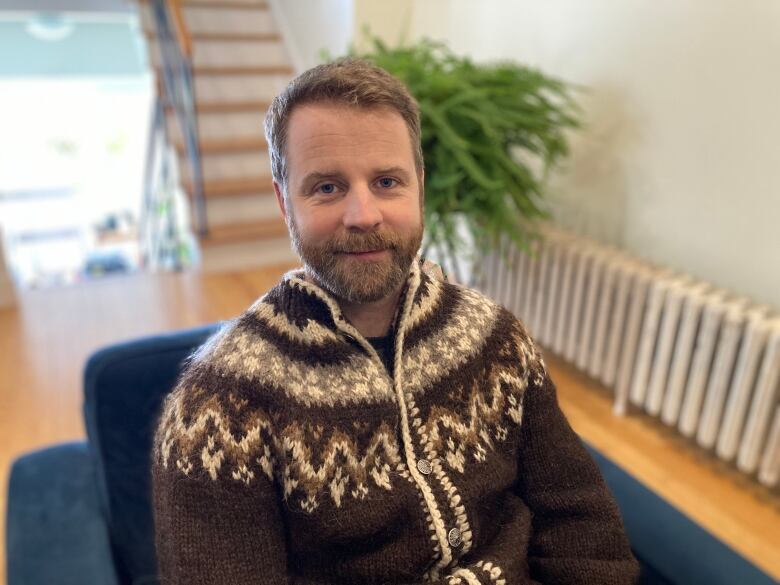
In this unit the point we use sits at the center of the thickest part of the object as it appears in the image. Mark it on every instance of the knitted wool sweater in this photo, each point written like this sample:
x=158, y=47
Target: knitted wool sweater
x=287, y=453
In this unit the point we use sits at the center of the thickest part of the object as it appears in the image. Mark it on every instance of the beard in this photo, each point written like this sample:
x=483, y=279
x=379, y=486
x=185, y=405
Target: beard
x=352, y=279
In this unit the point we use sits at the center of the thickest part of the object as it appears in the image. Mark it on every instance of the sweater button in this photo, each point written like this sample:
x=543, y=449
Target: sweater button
x=454, y=538
x=424, y=466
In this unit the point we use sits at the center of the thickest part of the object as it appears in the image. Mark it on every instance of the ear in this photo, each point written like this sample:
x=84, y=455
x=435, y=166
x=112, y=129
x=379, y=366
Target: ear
x=280, y=200
x=421, y=179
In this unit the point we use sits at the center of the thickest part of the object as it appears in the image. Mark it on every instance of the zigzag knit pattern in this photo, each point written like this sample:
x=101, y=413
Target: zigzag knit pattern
x=288, y=453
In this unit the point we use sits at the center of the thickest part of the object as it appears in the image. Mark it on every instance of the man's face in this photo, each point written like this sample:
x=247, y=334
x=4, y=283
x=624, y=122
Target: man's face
x=352, y=188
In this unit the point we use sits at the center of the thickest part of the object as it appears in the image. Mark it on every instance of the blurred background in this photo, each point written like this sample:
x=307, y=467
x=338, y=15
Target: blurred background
x=677, y=163
x=136, y=199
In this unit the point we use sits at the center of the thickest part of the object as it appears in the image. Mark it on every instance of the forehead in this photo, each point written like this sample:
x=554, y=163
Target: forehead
x=340, y=136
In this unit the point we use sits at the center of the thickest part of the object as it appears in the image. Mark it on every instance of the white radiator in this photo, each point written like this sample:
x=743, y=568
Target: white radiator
x=700, y=359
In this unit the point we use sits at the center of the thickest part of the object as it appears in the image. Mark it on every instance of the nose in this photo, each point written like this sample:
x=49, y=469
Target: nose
x=362, y=210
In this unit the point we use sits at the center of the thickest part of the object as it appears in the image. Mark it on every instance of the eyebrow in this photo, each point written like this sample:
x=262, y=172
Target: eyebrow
x=316, y=176
x=392, y=171
x=319, y=176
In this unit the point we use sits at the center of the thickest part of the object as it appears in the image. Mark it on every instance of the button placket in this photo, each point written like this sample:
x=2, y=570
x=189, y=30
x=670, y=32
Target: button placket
x=425, y=466
x=422, y=469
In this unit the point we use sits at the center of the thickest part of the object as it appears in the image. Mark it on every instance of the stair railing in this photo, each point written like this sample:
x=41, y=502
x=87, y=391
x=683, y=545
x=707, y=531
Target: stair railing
x=178, y=93
x=165, y=239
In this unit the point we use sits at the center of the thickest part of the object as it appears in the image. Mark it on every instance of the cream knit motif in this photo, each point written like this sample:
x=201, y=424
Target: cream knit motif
x=287, y=453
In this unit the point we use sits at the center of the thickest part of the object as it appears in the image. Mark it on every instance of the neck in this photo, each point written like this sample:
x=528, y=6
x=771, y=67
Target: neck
x=371, y=319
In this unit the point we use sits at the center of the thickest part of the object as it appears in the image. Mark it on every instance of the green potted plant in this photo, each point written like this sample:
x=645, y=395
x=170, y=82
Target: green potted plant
x=490, y=135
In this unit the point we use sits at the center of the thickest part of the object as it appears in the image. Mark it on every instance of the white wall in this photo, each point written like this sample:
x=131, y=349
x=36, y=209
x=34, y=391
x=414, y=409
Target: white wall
x=392, y=22
x=309, y=26
x=681, y=160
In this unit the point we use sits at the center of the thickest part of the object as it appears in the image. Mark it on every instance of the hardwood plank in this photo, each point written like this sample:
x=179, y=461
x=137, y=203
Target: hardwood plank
x=740, y=513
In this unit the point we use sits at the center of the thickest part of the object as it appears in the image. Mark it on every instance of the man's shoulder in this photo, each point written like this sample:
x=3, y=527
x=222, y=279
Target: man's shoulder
x=242, y=336
x=224, y=359
x=210, y=426
x=470, y=297
x=504, y=320
x=214, y=399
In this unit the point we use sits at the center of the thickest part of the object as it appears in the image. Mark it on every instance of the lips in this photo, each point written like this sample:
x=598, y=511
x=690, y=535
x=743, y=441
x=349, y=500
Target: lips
x=368, y=256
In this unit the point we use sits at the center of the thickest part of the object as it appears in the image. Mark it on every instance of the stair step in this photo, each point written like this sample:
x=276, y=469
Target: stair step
x=239, y=88
x=219, y=18
x=243, y=70
x=241, y=232
x=232, y=4
x=248, y=254
x=229, y=187
x=241, y=208
x=241, y=37
x=221, y=126
x=218, y=167
x=220, y=54
x=227, y=36
x=222, y=70
x=220, y=107
x=215, y=146
x=253, y=4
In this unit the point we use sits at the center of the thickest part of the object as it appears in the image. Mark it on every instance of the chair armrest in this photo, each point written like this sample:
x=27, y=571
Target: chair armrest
x=671, y=547
x=56, y=532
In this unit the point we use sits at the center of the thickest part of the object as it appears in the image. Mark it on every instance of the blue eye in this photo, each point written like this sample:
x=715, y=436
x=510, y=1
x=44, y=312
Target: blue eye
x=327, y=188
x=387, y=182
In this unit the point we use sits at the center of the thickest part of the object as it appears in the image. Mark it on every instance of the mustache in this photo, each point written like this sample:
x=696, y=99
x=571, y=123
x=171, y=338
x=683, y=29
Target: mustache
x=363, y=242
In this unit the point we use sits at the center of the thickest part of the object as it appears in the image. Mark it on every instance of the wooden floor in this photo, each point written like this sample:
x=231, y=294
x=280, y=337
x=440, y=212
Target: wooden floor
x=45, y=340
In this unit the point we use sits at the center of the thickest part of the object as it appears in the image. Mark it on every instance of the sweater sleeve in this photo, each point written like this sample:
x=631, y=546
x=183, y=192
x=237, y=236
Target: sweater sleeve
x=578, y=535
x=217, y=515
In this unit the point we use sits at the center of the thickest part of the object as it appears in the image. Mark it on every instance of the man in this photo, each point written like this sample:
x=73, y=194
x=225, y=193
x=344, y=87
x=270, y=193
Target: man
x=362, y=422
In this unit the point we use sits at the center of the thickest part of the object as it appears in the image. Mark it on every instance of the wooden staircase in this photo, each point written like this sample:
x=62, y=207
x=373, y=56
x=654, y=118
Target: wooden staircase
x=239, y=63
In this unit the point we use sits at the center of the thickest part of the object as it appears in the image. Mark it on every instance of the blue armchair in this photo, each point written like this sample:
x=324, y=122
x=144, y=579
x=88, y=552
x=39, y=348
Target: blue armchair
x=80, y=513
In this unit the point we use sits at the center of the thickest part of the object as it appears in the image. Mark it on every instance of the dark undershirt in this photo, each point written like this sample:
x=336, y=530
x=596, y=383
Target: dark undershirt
x=384, y=347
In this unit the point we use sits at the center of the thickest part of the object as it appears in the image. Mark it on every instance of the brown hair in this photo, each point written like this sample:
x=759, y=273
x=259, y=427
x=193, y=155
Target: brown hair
x=349, y=82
